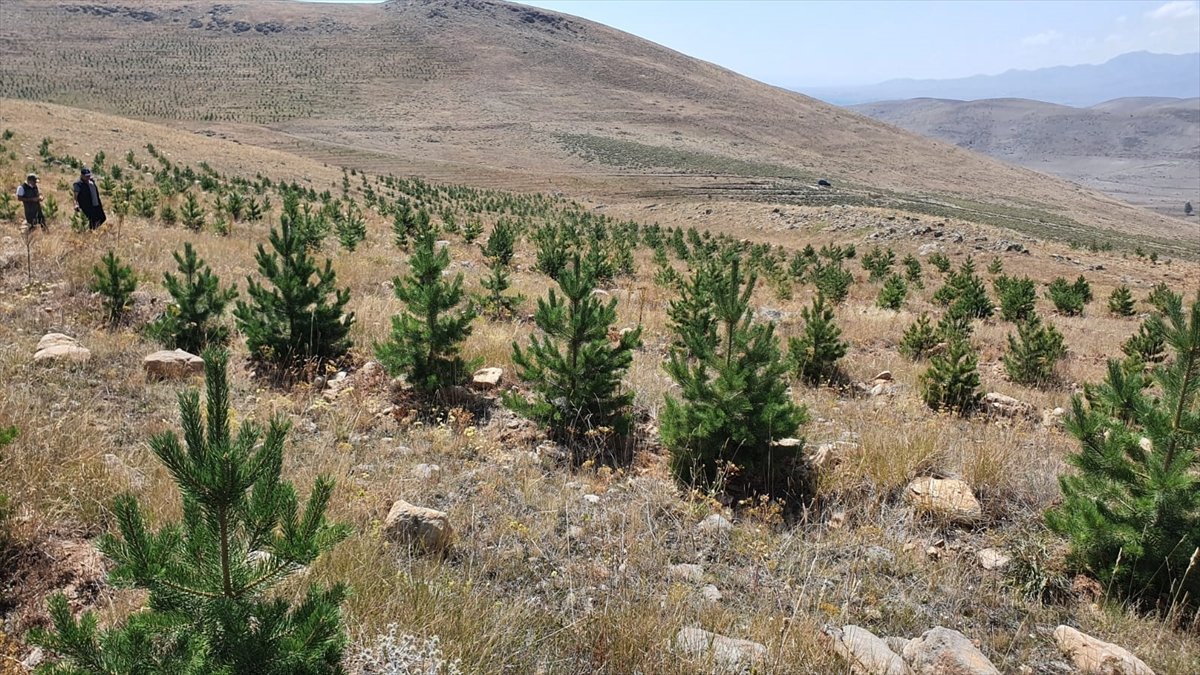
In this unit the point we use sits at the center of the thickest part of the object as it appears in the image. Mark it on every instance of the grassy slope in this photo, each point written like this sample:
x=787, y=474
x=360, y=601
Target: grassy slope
x=522, y=590
x=487, y=86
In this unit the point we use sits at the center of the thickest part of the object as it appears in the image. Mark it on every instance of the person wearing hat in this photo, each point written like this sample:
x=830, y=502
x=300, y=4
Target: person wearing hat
x=87, y=198
x=28, y=194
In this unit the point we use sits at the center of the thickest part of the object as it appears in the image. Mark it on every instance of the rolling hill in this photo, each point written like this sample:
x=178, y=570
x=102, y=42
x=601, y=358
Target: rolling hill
x=1136, y=74
x=508, y=96
x=1142, y=150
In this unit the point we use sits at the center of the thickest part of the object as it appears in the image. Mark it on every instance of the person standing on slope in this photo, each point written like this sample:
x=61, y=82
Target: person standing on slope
x=87, y=198
x=28, y=194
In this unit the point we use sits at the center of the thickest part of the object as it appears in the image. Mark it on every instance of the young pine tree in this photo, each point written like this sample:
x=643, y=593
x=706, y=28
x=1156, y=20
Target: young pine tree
x=734, y=403
x=919, y=338
x=952, y=380
x=425, y=340
x=912, y=271
x=1017, y=297
x=1148, y=345
x=575, y=370
x=115, y=283
x=1069, y=298
x=499, y=253
x=832, y=280
x=350, y=226
x=192, y=321
x=814, y=355
x=295, y=322
x=1120, y=303
x=1132, y=512
x=210, y=576
x=878, y=262
x=965, y=293
x=1034, y=352
x=893, y=292
x=191, y=214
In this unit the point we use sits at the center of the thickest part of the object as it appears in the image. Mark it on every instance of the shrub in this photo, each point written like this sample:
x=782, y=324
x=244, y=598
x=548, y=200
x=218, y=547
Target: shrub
x=918, y=339
x=1034, y=352
x=1017, y=297
x=1132, y=510
x=210, y=576
x=115, y=283
x=893, y=292
x=425, y=340
x=952, y=380
x=295, y=322
x=734, y=401
x=1069, y=298
x=814, y=355
x=575, y=370
x=1120, y=303
x=192, y=321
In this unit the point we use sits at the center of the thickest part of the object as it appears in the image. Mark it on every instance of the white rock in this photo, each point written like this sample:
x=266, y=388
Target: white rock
x=686, y=572
x=59, y=347
x=591, y=499
x=949, y=499
x=418, y=526
x=1096, y=657
x=711, y=593
x=866, y=653
x=427, y=471
x=171, y=364
x=992, y=559
x=941, y=651
x=1007, y=406
x=884, y=376
x=715, y=524
x=727, y=655
x=487, y=378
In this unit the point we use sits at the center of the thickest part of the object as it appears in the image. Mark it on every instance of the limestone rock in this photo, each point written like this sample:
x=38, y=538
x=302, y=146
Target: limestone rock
x=1096, y=657
x=1006, y=406
x=949, y=499
x=686, y=572
x=728, y=655
x=715, y=524
x=59, y=347
x=941, y=651
x=866, y=653
x=486, y=379
x=418, y=526
x=711, y=593
x=992, y=559
x=1053, y=419
x=172, y=364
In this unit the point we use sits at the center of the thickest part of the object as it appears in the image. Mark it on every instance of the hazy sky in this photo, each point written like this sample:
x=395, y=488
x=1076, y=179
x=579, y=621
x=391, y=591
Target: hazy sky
x=818, y=43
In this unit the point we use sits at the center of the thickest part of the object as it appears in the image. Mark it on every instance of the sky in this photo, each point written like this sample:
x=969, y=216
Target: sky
x=843, y=43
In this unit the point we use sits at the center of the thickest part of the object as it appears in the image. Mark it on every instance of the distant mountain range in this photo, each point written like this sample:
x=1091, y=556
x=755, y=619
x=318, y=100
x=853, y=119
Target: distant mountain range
x=1137, y=74
x=1145, y=151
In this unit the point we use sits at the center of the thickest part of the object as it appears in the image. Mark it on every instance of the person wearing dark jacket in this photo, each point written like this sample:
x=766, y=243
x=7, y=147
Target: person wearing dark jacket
x=31, y=198
x=87, y=198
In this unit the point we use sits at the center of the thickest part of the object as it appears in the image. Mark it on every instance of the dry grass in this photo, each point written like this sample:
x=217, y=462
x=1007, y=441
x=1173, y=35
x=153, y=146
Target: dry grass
x=542, y=580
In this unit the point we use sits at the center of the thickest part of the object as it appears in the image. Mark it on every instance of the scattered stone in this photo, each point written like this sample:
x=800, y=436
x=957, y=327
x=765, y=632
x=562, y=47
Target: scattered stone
x=686, y=572
x=486, y=379
x=948, y=499
x=770, y=314
x=591, y=499
x=884, y=376
x=1007, y=406
x=34, y=659
x=788, y=443
x=942, y=651
x=172, y=364
x=370, y=369
x=866, y=653
x=418, y=526
x=711, y=593
x=427, y=471
x=992, y=559
x=1053, y=419
x=928, y=249
x=1096, y=657
x=59, y=347
x=715, y=524
x=728, y=655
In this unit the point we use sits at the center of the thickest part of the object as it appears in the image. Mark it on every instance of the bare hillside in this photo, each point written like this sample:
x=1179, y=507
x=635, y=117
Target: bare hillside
x=479, y=86
x=1142, y=150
